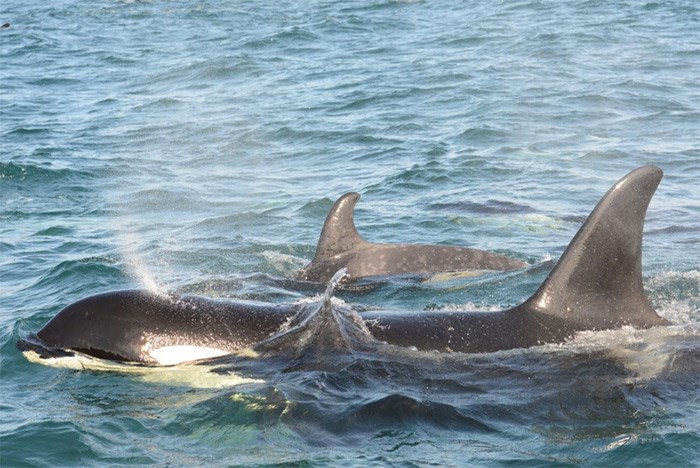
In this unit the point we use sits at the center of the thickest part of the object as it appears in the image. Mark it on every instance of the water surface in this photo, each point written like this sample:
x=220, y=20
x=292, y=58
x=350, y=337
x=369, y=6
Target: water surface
x=197, y=147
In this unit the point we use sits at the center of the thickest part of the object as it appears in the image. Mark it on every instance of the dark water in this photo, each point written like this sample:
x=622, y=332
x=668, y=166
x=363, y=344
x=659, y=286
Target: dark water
x=196, y=147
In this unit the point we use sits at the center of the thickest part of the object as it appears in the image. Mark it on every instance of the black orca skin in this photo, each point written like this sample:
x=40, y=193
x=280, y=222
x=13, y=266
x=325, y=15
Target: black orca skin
x=595, y=285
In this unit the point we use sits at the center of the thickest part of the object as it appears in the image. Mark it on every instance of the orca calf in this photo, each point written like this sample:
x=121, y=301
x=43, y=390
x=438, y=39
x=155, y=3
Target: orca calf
x=596, y=285
x=341, y=246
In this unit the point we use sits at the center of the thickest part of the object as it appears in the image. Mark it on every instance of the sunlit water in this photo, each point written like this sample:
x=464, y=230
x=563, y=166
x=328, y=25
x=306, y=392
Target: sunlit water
x=196, y=147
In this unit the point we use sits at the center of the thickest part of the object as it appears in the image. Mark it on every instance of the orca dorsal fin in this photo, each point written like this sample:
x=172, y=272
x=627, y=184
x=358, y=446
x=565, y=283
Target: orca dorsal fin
x=597, y=282
x=339, y=233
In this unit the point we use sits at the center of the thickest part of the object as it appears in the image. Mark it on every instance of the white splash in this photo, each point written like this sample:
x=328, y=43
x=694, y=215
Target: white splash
x=283, y=262
x=333, y=283
x=675, y=295
x=644, y=352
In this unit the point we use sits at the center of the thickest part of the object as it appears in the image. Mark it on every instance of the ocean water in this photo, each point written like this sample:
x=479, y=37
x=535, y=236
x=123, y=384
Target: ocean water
x=196, y=147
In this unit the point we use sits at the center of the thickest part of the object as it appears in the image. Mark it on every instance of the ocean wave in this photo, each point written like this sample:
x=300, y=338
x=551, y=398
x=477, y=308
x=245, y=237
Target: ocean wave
x=14, y=172
x=398, y=410
x=53, y=442
x=676, y=294
x=489, y=124
x=486, y=207
x=97, y=272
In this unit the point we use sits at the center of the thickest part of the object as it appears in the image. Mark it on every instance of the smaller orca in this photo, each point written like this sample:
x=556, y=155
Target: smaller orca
x=341, y=246
x=595, y=285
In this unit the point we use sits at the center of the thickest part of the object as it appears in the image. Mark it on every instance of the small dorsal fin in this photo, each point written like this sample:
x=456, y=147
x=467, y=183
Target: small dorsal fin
x=339, y=233
x=598, y=280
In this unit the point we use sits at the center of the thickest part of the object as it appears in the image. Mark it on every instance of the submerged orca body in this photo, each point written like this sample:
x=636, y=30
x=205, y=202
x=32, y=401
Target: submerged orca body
x=596, y=285
x=341, y=246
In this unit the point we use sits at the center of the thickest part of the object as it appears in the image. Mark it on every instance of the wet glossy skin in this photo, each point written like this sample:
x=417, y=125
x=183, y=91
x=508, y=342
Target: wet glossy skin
x=341, y=246
x=596, y=285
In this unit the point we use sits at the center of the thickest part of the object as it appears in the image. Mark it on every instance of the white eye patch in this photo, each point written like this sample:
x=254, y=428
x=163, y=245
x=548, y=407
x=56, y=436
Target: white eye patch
x=171, y=355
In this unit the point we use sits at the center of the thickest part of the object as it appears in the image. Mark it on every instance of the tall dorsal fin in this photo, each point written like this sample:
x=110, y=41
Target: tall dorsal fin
x=339, y=233
x=598, y=280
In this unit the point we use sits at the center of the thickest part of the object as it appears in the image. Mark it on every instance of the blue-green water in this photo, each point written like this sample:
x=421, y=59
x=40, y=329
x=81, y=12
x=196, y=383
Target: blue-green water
x=197, y=146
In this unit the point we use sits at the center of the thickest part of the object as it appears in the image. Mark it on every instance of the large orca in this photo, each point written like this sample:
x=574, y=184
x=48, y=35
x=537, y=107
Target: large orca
x=341, y=246
x=596, y=285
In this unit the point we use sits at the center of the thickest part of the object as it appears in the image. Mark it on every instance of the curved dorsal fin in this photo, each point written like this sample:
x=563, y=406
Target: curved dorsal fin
x=339, y=233
x=598, y=280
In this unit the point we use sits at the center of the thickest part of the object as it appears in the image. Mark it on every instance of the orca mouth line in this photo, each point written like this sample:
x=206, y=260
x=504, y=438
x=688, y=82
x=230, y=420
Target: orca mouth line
x=34, y=344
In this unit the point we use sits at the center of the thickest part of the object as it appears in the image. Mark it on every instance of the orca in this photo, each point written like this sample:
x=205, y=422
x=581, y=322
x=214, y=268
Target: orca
x=595, y=285
x=341, y=246
x=157, y=329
